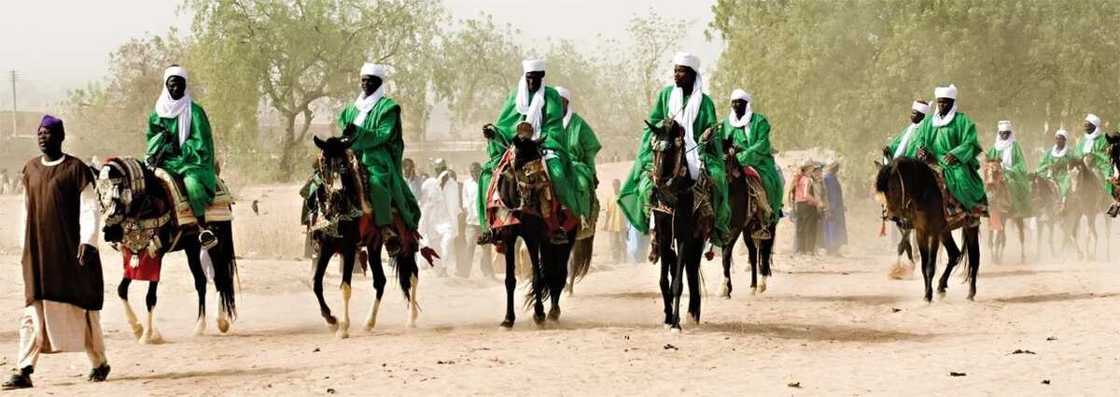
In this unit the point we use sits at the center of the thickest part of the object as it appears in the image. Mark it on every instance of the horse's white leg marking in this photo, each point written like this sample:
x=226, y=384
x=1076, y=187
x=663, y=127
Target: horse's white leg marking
x=413, y=307
x=371, y=320
x=133, y=322
x=344, y=322
x=151, y=336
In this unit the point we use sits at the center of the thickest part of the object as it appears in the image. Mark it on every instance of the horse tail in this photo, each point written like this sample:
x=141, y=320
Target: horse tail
x=226, y=278
x=407, y=271
x=581, y=260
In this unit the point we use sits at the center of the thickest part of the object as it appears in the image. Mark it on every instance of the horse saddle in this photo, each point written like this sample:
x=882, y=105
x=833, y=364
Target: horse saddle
x=219, y=210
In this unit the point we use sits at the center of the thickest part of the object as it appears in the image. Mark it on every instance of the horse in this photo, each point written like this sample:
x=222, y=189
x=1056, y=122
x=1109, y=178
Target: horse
x=583, y=249
x=999, y=195
x=144, y=217
x=519, y=210
x=342, y=222
x=909, y=191
x=1086, y=199
x=746, y=220
x=1114, y=180
x=1045, y=198
x=680, y=223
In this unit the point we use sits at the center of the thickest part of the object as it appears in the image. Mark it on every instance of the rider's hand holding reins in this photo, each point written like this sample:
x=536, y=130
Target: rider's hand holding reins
x=950, y=159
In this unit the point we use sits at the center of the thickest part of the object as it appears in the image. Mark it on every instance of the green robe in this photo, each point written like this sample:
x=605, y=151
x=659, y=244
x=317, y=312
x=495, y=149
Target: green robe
x=1057, y=169
x=1097, y=159
x=555, y=139
x=911, y=146
x=634, y=197
x=583, y=146
x=754, y=150
x=959, y=139
x=379, y=145
x=193, y=161
x=1017, y=180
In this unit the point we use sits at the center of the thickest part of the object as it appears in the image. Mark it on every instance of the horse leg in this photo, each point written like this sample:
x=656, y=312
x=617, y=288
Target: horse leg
x=692, y=271
x=972, y=244
x=348, y=254
x=194, y=262
x=1019, y=224
x=511, y=278
x=538, y=280
x=753, y=257
x=727, y=262
x=133, y=322
x=668, y=260
x=955, y=256
x=326, y=251
x=374, y=263
x=408, y=275
x=557, y=274
x=151, y=336
x=767, y=258
x=927, y=244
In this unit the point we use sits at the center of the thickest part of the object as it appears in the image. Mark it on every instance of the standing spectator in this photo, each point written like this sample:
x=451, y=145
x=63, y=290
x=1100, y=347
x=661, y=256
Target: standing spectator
x=807, y=202
x=835, y=230
x=4, y=181
x=473, y=228
x=439, y=218
x=408, y=167
x=615, y=226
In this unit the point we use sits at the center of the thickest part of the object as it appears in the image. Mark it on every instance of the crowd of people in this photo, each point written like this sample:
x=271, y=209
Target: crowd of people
x=10, y=184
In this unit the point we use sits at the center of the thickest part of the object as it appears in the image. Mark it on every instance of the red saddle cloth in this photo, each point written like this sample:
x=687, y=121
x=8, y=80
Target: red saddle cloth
x=147, y=270
x=498, y=213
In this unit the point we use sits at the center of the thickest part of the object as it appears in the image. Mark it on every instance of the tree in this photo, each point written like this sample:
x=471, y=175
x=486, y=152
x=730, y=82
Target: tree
x=304, y=55
x=653, y=37
x=481, y=62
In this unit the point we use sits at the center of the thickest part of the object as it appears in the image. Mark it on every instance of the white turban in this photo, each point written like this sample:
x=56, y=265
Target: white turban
x=1054, y=151
x=946, y=92
x=1005, y=146
x=532, y=65
x=1004, y=125
x=1062, y=133
x=372, y=69
x=922, y=108
x=564, y=93
x=180, y=109
x=686, y=59
x=1092, y=118
x=740, y=94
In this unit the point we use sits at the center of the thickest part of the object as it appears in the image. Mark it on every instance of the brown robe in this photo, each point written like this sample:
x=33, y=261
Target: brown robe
x=50, y=253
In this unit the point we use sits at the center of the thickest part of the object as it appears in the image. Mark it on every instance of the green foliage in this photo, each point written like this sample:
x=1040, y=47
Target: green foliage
x=480, y=60
x=841, y=74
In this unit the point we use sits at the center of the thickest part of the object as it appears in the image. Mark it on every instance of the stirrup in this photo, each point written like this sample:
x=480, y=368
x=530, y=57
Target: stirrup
x=207, y=239
x=392, y=241
x=485, y=238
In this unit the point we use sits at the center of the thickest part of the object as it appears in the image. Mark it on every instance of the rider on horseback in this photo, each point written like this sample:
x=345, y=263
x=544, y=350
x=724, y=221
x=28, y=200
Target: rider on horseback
x=685, y=106
x=1055, y=164
x=749, y=135
x=373, y=123
x=1007, y=152
x=948, y=142
x=180, y=142
x=533, y=111
x=583, y=146
x=1093, y=149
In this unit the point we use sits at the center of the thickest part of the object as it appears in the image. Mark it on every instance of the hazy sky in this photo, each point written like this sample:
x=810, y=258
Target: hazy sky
x=57, y=45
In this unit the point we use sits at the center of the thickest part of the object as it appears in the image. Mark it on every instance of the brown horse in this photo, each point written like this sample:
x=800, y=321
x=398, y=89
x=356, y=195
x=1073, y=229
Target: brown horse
x=909, y=191
x=340, y=223
x=999, y=195
x=1086, y=199
x=748, y=220
x=1044, y=201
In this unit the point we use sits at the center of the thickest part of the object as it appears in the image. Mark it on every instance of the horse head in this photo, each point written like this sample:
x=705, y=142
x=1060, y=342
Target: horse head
x=339, y=176
x=670, y=170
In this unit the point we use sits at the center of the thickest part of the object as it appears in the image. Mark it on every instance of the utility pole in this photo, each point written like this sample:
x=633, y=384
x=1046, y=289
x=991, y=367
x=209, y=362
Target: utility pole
x=15, y=126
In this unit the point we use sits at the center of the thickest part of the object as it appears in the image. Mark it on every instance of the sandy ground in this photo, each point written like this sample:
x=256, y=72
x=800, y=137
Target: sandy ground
x=834, y=326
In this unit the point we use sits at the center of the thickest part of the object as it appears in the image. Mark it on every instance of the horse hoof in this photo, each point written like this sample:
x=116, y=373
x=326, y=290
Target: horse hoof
x=675, y=330
x=370, y=324
x=693, y=320
x=507, y=324
x=137, y=330
x=343, y=331
x=200, y=327
x=941, y=294
x=762, y=285
x=151, y=337
x=223, y=325
x=538, y=318
x=554, y=314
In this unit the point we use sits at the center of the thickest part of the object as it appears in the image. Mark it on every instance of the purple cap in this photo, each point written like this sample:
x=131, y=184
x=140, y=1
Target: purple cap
x=52, y=123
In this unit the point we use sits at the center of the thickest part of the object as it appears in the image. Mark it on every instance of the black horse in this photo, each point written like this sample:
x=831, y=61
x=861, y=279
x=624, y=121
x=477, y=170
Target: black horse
x=340, y=223
x=909, y=191
x=1044, y=200
x=682, y=220
x=746, y=220
x=138, y=209
x=1086, y=199
x=521, y=182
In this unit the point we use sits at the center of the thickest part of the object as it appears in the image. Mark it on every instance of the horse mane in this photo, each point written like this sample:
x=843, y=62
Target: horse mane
x=915, y=173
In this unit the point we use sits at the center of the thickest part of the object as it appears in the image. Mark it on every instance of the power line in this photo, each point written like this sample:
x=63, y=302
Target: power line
x=15, y=123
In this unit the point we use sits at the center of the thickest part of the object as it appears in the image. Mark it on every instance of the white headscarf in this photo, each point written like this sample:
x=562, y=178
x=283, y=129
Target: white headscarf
x=1005, y=145
x=746, y=119
x=1087, y=144
x=905, y=141
x=365, y=103
x=1054, y=151
x=564, y=93
x=531, y=108
x=176, y=108
x=945, y=92
x=685, y=113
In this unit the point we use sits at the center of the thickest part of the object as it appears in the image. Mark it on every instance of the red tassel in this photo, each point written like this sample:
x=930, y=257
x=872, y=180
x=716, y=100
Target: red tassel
x=883, y=228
